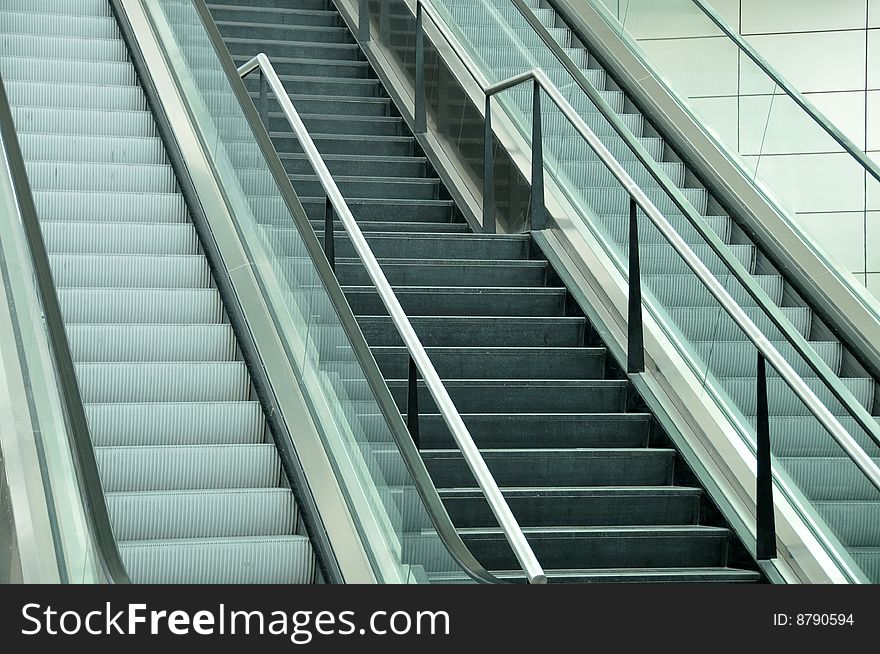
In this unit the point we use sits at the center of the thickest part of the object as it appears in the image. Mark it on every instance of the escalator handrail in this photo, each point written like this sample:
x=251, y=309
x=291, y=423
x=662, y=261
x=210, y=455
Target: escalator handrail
x=721, y=250
x=471, y=453
x=82, y=447
x=828, y=420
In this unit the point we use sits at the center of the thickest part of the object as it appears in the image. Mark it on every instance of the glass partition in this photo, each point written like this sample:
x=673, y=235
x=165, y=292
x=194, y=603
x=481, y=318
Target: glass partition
x=395, y=526
x=452, y=116
x=832, y=493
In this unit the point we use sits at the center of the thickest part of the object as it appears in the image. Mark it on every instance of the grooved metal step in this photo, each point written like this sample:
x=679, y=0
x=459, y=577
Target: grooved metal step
x=176, y=423
x=253, y=560
x=121, y=238
x=140, y=306
x=92, y=149
x=183, y=342
x=188, y=467
x=200, y=514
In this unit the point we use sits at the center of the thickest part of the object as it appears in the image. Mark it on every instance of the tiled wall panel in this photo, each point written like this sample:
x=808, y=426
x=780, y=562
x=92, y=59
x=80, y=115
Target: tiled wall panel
x=777, y=16
x=830, y=51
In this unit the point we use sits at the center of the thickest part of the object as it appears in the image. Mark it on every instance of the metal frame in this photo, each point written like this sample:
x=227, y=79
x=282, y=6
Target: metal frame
x=732, y=308
x=537, y=208
x=255, y=295
x=445, y=167
x=420, y=363
x=31, y=540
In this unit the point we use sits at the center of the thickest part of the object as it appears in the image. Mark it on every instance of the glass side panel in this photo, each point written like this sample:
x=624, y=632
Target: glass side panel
x=395, y=526
x=452, y=116
x=39, y=488
x=836, y=498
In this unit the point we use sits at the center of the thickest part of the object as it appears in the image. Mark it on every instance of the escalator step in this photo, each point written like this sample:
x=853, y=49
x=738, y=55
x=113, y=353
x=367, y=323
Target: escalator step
x=138, y=307
x=130, y=271
x=178, y=423
x=188, y=467
x=250, y=560
x=202, y=514
x=146, y=343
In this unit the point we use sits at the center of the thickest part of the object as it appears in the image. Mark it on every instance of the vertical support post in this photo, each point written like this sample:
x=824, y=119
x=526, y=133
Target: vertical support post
x=764, y=516
x=264, y=100
x=421, y=119
x=635, y=356
x=488, y=171
x=412, y=401
x=539, y=212
x=329, y=242
x=364, y=21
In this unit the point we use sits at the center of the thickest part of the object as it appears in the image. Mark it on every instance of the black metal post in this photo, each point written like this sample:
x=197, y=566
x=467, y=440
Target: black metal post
x=412, y=401
x=764, y=517
x=364, y=20
x=635, y=356
x=539, y=212
x=329, y=241
x=488, y=171
x=421, y=118
x=264, y=100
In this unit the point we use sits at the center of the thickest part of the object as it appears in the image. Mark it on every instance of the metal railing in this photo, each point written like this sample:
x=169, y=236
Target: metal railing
x=419, y=362
x=82, y=447
x=765, y=527
x=718, y=247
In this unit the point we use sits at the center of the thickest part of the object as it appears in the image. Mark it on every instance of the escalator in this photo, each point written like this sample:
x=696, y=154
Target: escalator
x=600, y=491
x=253, y=406
x=193, y=481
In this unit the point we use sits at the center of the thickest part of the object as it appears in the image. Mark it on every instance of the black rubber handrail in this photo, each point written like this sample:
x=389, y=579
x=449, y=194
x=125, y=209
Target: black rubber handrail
x=82, y=445
x=425, y=487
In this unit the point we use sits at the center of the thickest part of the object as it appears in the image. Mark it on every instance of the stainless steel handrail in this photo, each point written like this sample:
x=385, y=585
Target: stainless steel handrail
x=761, y=342
x=509, y=525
